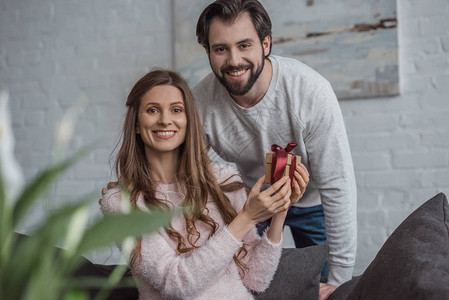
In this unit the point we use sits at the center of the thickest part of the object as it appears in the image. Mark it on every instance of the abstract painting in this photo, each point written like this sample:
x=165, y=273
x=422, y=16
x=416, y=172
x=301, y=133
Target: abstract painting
x=352, y=43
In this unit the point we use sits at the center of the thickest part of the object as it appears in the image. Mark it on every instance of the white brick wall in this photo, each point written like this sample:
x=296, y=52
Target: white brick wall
x=53, y=52
x=400, y=145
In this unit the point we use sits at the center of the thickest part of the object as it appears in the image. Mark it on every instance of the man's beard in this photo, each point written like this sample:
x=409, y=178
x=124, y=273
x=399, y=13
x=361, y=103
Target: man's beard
x=237, y=88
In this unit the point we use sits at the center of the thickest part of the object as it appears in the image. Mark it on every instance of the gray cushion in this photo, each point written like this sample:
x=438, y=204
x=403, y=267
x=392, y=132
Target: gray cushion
x=414, y=261
x=298, y=274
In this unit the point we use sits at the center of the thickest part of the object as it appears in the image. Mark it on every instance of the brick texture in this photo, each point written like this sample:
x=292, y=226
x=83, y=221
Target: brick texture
x=411, y=155
x=53, y=53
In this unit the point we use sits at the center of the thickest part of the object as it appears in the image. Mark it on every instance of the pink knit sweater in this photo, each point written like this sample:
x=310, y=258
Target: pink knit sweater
x=208, y=272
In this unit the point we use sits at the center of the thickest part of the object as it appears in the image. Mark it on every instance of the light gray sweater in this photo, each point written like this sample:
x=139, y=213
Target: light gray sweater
x=301, y=107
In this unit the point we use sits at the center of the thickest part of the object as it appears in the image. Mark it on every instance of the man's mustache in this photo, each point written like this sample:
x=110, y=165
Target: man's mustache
x=235, y=68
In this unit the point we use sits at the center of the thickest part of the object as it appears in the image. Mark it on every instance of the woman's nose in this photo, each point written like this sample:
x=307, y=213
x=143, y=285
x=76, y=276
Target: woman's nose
x=164, y=119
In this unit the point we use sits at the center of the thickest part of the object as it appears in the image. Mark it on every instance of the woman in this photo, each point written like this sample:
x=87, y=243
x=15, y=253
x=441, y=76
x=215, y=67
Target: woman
x=213, y=250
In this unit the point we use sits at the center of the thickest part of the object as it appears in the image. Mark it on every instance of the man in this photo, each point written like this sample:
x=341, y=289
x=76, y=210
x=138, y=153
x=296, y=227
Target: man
x=252, y=100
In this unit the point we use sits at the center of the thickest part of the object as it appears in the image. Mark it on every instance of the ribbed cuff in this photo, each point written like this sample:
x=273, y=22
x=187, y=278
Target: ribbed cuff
x=339, y=274
x=277, y=245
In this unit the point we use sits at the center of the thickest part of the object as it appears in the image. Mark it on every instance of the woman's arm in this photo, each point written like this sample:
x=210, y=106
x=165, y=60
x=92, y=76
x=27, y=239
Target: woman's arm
x=181, y=277
x=263, y=258
x=162, y=267
x=274, y=232
x=263, y=254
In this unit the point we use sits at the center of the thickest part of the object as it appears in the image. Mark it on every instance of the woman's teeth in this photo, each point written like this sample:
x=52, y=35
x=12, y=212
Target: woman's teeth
x=165, y=133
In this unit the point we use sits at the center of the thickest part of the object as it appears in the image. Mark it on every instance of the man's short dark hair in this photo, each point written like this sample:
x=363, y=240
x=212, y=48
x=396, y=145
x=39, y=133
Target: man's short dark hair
x=228, y=11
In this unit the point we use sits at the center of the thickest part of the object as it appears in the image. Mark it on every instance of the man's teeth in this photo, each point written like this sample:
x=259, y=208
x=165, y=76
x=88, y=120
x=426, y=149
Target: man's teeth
x=165, y=132
x=237, y=73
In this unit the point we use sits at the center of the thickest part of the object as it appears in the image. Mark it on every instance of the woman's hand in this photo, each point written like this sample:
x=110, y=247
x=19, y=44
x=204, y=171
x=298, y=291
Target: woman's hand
x=300, y=182
x=261, y=206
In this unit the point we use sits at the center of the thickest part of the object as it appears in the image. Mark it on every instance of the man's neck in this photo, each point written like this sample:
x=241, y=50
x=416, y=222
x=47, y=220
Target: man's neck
x=259, y=89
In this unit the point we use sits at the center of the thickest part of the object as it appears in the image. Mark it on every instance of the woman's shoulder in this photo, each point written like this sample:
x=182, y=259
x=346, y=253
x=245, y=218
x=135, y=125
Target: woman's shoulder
x=226, y=172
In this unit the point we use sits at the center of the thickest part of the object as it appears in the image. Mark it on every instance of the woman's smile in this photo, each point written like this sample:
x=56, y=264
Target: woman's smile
x=164, y=134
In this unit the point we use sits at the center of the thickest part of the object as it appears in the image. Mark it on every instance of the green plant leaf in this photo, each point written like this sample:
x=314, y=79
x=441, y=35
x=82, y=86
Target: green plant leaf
x=30, y=251
x=76, y=295
x=5, y=224
x=40, y=184
x=115, y=228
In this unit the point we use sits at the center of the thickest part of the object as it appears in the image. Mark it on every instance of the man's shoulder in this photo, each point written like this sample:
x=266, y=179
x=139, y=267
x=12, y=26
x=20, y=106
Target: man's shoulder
x=291, y=67
x=205, y=87
x=208, y=95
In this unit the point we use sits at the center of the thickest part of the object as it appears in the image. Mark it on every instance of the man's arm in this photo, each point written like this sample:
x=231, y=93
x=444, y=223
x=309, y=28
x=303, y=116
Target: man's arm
x=332, y=170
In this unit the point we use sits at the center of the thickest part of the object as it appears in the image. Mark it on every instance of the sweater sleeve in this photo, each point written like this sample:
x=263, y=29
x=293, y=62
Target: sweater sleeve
x=181, y=277
x=262, y=261
x=262, y=257
x=332, y=171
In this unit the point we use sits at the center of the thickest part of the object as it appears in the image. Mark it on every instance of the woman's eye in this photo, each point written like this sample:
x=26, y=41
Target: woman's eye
x=152, y=111
x=177, y=110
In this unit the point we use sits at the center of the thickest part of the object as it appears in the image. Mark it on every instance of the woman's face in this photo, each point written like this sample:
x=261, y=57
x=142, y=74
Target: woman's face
x=162, y=120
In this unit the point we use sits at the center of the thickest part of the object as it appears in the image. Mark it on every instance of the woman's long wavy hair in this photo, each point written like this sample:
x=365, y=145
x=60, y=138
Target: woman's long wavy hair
x=195, y=173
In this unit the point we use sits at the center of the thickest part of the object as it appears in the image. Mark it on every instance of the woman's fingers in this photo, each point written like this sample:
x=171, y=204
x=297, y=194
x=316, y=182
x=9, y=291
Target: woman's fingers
x=281, y=199
x=259, y=183
x=283, y=190
x=276, y=186
x=255, y=190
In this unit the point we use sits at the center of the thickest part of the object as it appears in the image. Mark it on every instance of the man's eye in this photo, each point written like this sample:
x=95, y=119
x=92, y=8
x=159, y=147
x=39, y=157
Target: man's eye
x=221, y=49
x=245, y=45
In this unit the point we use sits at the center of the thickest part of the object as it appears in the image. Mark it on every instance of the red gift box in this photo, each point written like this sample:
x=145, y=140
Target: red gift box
x=279, y=162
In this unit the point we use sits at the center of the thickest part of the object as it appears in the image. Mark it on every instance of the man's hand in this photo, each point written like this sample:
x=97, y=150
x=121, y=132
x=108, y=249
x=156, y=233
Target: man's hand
x=110, y=185
x=300, y=182
x=326, y=290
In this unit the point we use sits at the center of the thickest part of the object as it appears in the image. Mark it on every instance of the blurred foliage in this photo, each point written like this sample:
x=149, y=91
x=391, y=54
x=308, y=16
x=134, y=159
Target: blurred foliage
x=33, y=267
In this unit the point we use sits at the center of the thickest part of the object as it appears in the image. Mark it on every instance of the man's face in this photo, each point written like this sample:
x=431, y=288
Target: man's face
x=236, y=54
